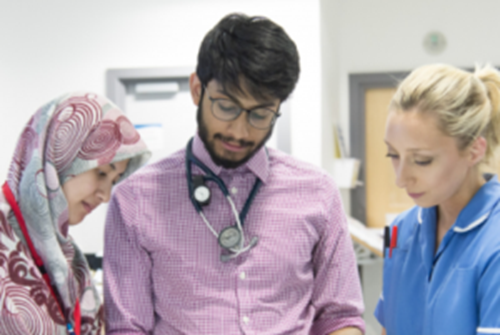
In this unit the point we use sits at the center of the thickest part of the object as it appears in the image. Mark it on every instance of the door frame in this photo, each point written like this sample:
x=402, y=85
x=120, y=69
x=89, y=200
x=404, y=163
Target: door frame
x=116, y=90
x=359, y=83
x=117, y=79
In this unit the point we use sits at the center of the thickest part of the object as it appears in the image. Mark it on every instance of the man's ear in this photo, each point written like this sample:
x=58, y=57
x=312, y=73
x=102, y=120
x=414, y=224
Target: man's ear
x=195, y=87
x=477, y=150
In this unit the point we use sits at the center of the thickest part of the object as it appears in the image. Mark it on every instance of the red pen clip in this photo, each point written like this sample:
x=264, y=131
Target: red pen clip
x=394, y=240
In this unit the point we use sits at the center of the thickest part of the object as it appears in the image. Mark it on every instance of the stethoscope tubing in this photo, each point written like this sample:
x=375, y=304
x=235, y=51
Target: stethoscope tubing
x=209, y=175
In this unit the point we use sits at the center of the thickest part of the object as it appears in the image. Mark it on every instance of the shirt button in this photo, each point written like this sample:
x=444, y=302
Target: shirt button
x=246, y=319
x=243, y=275
x=234, y=190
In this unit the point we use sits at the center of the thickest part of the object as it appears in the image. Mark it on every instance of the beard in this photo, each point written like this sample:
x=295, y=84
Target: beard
x=209, y=145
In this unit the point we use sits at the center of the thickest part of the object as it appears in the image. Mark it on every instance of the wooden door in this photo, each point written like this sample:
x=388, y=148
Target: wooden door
x=384, y=199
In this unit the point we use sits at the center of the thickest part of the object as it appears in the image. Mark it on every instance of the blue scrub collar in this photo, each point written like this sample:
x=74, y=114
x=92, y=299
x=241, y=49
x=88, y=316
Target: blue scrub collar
x=477, y=210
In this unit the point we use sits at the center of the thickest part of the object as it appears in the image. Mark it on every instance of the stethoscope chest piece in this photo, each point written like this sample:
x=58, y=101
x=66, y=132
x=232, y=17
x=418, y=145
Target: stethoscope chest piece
x=229, y=237
x=201, y=191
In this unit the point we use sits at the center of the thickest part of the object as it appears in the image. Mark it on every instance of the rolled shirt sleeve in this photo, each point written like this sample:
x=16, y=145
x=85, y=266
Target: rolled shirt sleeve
x=337, y=293
x=127, y=267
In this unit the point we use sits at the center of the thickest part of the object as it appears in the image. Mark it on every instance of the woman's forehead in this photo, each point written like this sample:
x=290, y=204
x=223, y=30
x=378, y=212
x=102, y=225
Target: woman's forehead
x=415, y=131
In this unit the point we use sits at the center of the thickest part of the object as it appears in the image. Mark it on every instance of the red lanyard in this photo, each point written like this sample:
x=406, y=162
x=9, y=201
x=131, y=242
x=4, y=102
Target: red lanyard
x=38, y=261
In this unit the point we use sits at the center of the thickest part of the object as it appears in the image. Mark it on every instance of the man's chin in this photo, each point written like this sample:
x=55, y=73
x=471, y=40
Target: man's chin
x=229, y=163
x=233, y=156
x=228, y=159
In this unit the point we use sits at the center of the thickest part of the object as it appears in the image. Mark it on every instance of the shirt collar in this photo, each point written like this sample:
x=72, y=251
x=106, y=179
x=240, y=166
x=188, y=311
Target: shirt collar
x=476, y=212
x=258, y=164
x=479, y=208
x=473, y=215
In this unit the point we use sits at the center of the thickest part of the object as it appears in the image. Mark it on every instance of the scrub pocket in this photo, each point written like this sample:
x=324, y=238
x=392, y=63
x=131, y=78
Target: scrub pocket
x=399, y=304
x=454, y=310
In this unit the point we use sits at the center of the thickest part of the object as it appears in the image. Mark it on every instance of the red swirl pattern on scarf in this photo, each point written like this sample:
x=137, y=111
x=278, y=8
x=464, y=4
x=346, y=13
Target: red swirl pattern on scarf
x=22, y=317
x=103, y=142
x=127, y=130
x=62, y=223
x=17, y=298
x=72, y=122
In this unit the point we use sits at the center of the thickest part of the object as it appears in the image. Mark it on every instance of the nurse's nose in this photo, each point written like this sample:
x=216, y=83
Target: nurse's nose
x=402, y=174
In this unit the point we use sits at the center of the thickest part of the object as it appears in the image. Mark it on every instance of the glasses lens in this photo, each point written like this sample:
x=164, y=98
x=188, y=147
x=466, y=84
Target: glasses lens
x=261, y=118
x=225, y=110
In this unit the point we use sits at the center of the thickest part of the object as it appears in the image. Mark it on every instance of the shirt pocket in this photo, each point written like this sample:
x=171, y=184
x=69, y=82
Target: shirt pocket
x=397, y=310
x=393, y=267
x=403, y=308
x=455, y=308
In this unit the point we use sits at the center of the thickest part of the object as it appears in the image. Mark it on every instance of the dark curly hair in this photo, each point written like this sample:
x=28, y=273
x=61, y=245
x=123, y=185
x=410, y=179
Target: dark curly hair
x=253, y=51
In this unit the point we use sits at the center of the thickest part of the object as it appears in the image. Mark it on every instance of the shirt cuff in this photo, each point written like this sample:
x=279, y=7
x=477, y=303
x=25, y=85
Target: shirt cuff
x=486, y=330
x=379, y=312
x=326, y=326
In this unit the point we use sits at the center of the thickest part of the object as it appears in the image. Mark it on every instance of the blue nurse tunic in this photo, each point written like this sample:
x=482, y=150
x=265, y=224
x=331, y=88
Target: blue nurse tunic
x=455, y=290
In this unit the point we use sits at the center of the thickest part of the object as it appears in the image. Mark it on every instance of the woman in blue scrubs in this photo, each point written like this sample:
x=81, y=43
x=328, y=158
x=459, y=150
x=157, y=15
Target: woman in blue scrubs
x=443, y=276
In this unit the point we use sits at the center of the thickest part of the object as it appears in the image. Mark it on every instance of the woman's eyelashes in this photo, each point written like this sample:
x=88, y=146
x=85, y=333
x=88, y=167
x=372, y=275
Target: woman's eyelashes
x=391, y=155
x=103, y=175
x=419, y=161
x=423, y=162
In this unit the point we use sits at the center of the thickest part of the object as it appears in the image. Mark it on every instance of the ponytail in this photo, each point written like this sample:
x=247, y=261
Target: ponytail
x=490, y=77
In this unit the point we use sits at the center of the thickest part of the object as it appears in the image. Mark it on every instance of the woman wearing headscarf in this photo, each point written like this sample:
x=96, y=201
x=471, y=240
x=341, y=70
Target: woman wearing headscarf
x=68, y=157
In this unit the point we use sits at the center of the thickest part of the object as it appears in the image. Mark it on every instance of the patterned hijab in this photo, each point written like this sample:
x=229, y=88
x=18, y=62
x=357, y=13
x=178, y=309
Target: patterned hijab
x=66, y=137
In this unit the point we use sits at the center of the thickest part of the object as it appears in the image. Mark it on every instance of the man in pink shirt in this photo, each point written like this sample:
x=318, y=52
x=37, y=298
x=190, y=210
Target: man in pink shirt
x=269, y=252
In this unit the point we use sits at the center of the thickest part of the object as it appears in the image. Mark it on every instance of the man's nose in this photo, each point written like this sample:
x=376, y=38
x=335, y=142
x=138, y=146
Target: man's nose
x=239, y=127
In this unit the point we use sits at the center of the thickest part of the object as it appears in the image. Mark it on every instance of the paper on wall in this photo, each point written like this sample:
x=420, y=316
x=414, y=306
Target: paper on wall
x=345, y=172
x=152, y=134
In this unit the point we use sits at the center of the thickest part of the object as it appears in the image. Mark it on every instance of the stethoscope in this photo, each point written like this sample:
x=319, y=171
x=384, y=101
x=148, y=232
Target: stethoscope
x=232, y=237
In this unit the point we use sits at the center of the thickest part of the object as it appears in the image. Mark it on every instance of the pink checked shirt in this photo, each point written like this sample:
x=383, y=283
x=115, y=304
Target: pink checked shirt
x=162, y=268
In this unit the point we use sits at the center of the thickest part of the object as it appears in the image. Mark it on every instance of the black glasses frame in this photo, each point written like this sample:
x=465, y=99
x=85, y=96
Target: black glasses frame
x=276, y=114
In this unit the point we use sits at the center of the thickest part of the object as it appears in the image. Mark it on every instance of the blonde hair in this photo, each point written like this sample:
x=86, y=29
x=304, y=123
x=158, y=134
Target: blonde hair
x=467, y=105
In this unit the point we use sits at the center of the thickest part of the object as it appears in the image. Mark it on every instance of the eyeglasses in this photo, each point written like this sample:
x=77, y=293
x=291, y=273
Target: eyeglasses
x=227, y=110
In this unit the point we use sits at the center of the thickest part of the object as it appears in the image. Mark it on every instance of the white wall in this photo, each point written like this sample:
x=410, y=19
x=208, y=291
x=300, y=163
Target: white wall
x=54, y=46
x=361, y=36
x=387, y=35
